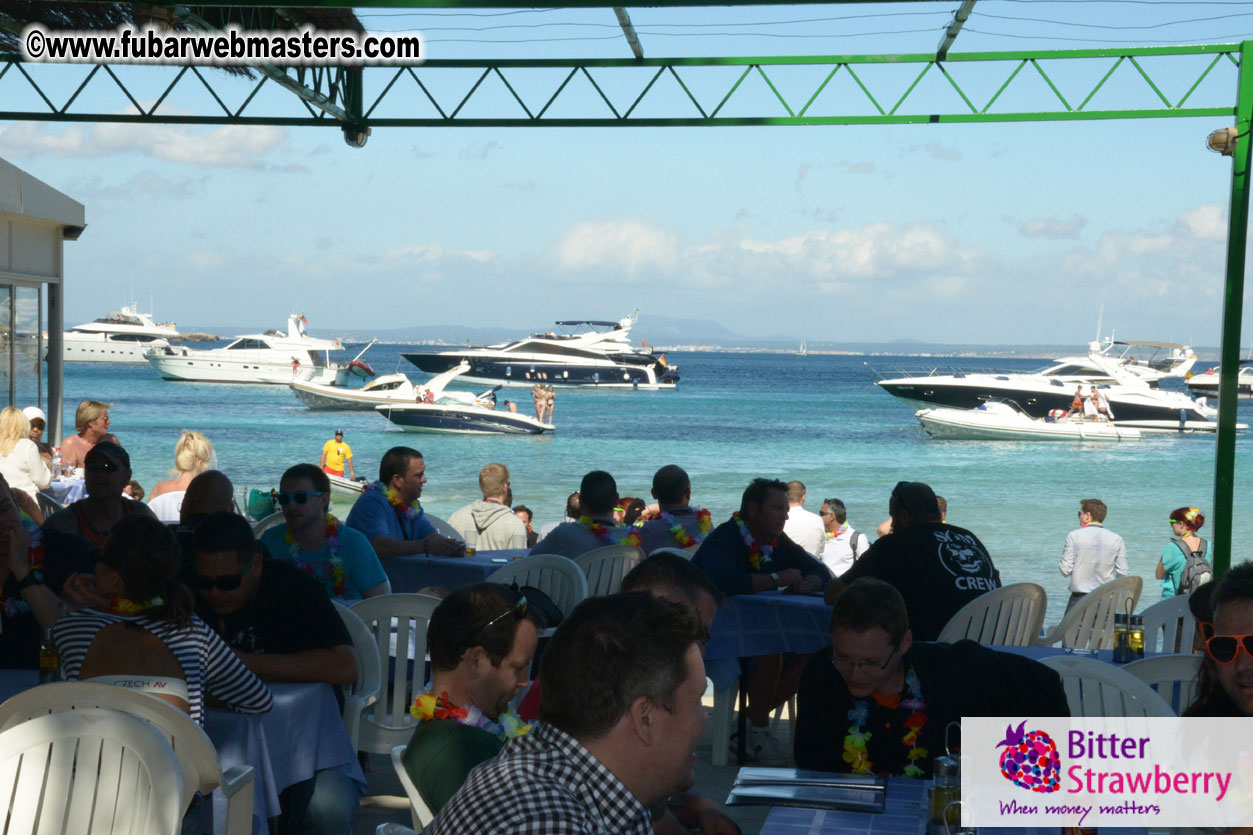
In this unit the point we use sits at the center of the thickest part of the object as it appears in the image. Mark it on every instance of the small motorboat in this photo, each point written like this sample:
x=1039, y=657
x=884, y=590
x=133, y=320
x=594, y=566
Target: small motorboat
x=340, y=484
x=389, y=389
x=437, y=410
x=1005, y=420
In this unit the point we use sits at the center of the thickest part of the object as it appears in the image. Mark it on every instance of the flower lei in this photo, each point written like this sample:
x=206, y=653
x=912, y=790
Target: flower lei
x=14, y=606
x=758, y=555
x=121, y=606
x=843, y=529
x=409, y=512
x=339, y=578
x=505, y=727
x=604, y=532
x=680, y=534
x=855, y=753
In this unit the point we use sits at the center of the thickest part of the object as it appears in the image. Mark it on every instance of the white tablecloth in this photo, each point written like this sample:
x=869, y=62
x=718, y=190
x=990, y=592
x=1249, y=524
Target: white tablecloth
x=67, y=490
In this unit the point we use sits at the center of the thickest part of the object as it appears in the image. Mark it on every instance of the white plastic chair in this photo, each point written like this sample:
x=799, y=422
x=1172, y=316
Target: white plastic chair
x=1009, y=616
x=1095, y=688
x=1090, y=623
x=273, y=520
x=417, y=806
x=557, y=577
x=90, y=772
x=606, y=566
x=369, y=684
x=678, y=552
x=443, y=528
x=393, y=617
x=1169, y=626
x=197, y=758
x=1172, y=676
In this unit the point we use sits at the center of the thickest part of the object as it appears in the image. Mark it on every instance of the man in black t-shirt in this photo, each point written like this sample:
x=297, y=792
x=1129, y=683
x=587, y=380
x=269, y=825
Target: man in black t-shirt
x=285, y=629
x=937, y=568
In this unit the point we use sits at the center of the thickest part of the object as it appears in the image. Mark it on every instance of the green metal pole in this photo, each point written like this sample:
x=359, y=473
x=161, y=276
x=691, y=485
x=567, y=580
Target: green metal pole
x=1233, y=308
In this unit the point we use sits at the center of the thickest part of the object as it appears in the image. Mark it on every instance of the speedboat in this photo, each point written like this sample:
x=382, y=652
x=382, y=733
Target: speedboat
x=1206, y=384
x=388, y=388
x=1004, y=420
x=580, y=353
x=1134, y=401
x=119, y=336
x=273, y=357
x=341, y=484
x=438, y=410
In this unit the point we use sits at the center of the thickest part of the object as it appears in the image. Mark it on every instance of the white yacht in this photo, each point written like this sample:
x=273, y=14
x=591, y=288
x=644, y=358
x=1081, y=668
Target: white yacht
x=1005, y=420
x=580, y=353
x=120, y=336
x=460, y=412
x=1206, y=384
x=273, y=357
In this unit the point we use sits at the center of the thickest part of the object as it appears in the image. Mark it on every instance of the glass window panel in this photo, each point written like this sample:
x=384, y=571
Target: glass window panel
x=28, y=346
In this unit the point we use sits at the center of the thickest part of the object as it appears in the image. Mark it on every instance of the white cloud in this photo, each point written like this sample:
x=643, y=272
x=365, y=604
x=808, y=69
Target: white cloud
x=629, y=247
x=430, y=253
x=229, y=146
x=1053, y=228
x=1204, y=223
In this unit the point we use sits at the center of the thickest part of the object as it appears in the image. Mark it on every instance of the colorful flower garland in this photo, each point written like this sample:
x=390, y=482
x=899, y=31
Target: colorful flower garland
x=408, y=512
x=505, y=727
x=855, y=752
x=680, y=534
x=339, y=578
x=758, y=555
x=604, y=532
x=843, y=529
x=127, y=608
x=14, y=606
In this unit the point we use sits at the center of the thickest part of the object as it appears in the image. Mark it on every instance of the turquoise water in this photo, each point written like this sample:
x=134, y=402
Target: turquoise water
x=819, y=419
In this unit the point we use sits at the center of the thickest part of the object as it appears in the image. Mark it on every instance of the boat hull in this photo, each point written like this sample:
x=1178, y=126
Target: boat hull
x=339, y=484
x=964, y=425
x=339, y=399
x=197, y=368
x=1206, y=385
x=462, y=420
x=86, y=348
x=524, y=373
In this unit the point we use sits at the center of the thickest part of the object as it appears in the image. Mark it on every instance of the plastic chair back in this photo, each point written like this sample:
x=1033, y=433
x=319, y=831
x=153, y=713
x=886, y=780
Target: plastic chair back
x=365, y=690
x=91, y=772
x=1095, y=688
x=397, y=624
x=443, y=528
x=47, y=504
x=1009, y=616
x=1169, y=626
x=558, y=577
x=197, y=758
x=417, y=806
x=1174, y=677
x=1090, y=623
x=606, y=566
x=678, y=552
x=271, y=521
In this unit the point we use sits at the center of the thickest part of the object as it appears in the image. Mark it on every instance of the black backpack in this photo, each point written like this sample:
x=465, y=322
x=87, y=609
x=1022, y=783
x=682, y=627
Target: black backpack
x=1197, y=570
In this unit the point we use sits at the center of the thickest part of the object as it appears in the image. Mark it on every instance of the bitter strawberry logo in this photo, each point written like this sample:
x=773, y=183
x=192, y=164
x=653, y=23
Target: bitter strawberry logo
x=1030, y=759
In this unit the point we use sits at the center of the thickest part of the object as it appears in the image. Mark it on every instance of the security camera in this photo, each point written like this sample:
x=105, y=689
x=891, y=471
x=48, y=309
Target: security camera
x=356, y=135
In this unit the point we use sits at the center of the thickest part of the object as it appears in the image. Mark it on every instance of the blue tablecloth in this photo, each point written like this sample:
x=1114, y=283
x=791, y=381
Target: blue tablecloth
x=304, y=733
x=67, y=490
x=769, y=622
x=410, y=574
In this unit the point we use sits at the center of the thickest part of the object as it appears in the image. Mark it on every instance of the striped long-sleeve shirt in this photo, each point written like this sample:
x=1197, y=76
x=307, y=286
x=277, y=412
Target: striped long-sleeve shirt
x=208, y=663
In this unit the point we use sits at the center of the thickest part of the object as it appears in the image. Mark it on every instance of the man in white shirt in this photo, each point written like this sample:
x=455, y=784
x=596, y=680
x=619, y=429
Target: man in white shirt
x=843, y=544
x=803, y=527
x=1092, y=555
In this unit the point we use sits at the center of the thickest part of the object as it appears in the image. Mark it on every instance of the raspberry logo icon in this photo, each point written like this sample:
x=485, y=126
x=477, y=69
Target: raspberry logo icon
x=1030, y=759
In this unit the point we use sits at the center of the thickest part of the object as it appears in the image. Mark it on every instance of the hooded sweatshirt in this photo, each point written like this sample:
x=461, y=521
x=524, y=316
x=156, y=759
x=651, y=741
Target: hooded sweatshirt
x=489, y=526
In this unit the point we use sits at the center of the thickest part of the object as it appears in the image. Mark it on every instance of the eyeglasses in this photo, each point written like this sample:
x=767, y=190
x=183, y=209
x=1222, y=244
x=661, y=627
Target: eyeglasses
x=852, y=666
x=1224, y=648
x=299, y=497
x=101, y=467
x=518, y=611
x=228, y=582
x=1207, y=629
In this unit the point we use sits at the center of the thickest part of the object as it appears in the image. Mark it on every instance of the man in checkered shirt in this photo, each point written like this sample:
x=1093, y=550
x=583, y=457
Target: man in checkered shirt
x=620, y=715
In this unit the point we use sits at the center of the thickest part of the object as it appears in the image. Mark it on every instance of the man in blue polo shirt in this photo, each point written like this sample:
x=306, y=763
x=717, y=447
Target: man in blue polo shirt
x=390, y=515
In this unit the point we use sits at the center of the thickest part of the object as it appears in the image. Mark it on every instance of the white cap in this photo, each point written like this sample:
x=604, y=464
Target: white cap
x=33, y=412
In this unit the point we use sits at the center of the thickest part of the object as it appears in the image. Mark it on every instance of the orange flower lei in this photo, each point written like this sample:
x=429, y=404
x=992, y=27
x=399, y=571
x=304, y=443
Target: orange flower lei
x=758, y=554
x=604, y=532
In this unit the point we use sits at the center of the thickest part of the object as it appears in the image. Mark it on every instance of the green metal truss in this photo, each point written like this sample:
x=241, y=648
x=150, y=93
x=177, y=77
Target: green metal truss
x=334, y=96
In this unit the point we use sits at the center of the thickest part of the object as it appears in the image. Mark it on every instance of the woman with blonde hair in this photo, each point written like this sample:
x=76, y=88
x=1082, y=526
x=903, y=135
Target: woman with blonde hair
x=192, y=456
x=20, y=462
x=92, y=422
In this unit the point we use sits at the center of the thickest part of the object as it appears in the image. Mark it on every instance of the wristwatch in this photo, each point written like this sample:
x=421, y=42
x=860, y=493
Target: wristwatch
x=35, y=578
x=774, y=575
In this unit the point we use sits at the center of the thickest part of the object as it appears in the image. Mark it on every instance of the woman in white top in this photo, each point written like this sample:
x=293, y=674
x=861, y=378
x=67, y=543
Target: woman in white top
x=20, y=461
x=192, y=456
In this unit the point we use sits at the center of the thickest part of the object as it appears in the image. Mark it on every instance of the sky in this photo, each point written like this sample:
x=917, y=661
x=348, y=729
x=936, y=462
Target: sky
x=1021, y=233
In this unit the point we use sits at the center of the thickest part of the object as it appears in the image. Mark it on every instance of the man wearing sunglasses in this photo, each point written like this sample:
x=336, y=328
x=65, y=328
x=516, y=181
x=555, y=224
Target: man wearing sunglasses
x=481, y=640
x=108, y=469
x=901, y=694
x=284, y=628
x=1229, y=645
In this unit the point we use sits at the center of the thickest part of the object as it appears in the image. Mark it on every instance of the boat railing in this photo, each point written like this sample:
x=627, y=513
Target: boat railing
x=895, y=371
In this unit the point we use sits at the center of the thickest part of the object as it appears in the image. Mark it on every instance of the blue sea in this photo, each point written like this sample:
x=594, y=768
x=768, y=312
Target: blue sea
x=734, y=416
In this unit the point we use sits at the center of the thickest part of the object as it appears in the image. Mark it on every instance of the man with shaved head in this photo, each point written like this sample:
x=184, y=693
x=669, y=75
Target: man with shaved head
x=678, y=524
x=208, y=493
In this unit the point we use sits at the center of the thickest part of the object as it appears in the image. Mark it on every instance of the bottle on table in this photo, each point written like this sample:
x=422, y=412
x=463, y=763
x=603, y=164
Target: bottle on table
x=49, y=659
x=1123, y=651
x=1135, y=635
x=56, y=462
x=945, y=795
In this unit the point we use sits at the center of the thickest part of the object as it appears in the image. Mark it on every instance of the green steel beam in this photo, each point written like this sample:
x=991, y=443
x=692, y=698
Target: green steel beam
x=498, y=4
x=1233, y=313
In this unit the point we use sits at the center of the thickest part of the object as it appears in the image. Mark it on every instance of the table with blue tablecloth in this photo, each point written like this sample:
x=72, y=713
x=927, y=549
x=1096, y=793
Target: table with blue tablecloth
x=410, y=574
x=303, y=734
x=765, y=623
x=67, y=490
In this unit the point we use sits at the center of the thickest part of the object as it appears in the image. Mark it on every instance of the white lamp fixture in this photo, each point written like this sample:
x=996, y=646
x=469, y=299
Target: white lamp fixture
x=1222, y=141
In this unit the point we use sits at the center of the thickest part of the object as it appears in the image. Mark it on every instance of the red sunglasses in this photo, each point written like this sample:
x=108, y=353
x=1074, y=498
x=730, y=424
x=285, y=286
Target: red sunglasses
x=1224, y=648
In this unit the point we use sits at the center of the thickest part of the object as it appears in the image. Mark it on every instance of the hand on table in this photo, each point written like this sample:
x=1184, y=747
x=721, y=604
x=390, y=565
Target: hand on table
x=714, y=822
x=804, y=585
x=443, y=546
x=790, y=577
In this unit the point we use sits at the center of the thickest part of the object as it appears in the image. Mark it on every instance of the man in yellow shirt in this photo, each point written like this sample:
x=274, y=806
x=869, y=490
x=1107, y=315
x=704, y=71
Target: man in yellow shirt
x=335, y=453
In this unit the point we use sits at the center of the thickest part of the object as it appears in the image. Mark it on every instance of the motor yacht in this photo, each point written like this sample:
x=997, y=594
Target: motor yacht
x=1150, y=361
x=1134, y=400
x=119, y=336
x=1206, y=385
x=273, y=357
x=580, y=353
x=439, y=410
x=389, y=388
x=1005, y=420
